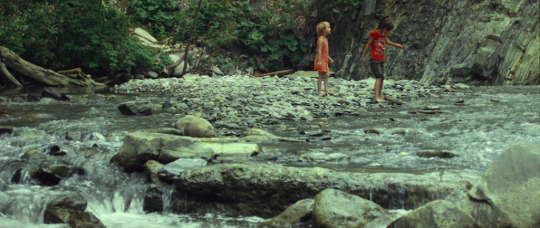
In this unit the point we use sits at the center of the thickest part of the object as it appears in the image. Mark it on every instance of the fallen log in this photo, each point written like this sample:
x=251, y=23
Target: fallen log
x=6, y=73
x=278, y=73
x=72, y=71
x=45, y=76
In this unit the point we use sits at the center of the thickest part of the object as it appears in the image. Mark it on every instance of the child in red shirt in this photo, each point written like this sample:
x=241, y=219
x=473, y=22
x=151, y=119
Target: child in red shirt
x=377, y=42
x=322, y=59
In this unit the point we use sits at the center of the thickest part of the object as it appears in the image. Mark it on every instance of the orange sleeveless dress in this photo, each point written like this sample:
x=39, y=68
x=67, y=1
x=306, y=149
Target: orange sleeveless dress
x=324, y=57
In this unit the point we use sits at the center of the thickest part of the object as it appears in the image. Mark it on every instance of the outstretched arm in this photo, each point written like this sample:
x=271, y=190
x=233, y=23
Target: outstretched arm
x=393, y=44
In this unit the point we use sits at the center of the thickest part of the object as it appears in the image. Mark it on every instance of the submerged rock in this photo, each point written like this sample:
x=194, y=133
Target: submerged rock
x=195, y=127
x=73, y=218
x=507, y=195
x=334, y=208
x=436, y=214
x=139, y=147
x=298, y=212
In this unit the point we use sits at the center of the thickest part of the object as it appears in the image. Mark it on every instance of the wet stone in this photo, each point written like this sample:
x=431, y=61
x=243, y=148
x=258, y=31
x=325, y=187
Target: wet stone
x=136, y=108
x=153, y=200
x=172, y=169
x=6, y=129
x=73, y=218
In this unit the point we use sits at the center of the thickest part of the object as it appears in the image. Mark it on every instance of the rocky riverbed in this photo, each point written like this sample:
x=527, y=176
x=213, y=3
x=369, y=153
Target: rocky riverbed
x=267, y=143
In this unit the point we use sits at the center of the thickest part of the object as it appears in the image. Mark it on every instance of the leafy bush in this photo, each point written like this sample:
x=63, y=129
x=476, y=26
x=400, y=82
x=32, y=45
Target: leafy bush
x=68, y=34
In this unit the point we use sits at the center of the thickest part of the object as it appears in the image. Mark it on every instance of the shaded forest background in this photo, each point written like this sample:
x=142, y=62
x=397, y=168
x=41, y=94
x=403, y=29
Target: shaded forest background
x=95, y=35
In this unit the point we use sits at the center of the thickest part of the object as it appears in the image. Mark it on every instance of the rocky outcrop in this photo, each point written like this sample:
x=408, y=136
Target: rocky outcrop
x=195, y=127
x=444, y=41
x=335, y=209
x=33, y=155
x=140, y=147
x=269, y=189
x=507, y=195
x=69, y=200
x=436, y=214
x=298, y=212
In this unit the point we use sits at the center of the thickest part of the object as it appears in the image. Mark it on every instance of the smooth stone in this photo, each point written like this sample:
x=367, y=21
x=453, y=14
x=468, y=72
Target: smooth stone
x=195, y=127
x=335, y=208
x=234, y=150
x=151, y=169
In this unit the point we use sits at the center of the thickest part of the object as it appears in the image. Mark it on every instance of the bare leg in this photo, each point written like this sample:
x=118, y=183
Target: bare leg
x=378, y=88
x=319, y=81
x=326, y=84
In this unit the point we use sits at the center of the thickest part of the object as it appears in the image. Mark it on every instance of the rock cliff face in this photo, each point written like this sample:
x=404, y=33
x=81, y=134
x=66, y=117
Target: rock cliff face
x=445, y=41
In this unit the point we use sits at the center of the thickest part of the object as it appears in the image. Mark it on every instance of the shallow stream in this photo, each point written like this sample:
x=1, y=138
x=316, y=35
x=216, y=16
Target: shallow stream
x=490, y=120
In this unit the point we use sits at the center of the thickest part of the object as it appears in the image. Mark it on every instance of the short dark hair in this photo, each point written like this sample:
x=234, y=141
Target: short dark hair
x=386, y=22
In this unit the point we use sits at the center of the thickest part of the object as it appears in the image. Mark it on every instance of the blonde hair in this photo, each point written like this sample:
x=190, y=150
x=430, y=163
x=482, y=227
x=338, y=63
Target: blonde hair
x=321, y=27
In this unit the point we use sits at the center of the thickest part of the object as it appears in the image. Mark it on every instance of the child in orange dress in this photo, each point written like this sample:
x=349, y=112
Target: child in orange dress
x=377, y=41
x=322, y=59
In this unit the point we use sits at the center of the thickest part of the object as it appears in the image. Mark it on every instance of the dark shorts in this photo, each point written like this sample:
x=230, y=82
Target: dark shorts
x=377, y=67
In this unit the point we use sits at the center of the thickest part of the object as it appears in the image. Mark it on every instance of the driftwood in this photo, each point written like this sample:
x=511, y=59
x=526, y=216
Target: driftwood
x=278, y=73
x=40, y=74
x=6, y=73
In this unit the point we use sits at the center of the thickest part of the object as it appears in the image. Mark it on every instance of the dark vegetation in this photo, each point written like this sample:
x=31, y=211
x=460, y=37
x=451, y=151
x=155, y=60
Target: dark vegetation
x=95, y=35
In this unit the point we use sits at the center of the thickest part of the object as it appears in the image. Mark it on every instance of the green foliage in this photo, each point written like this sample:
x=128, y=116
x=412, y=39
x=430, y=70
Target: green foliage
x=253, y=30
x=496, y=5
x=68, y=34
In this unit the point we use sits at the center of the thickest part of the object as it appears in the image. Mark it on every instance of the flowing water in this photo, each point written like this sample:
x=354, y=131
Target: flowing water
x=492, y=119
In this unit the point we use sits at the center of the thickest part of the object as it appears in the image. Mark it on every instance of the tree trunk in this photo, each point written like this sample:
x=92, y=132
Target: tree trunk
x=190, y=39
x=40, y=74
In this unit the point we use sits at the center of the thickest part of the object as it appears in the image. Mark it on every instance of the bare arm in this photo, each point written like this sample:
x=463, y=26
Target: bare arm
x=319, y=52
x=366, y=49
x=393, y=44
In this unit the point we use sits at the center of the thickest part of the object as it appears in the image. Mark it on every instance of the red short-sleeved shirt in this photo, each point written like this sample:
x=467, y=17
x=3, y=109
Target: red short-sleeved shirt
x=378, y=46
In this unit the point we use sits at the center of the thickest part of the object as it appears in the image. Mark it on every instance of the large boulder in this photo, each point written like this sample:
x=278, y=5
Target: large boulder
x=298, y=212
x=73, y=218
x=267, y=190
x=436, y=214
x=335, y=209
x=507, y=195
x=136, y=108
x=139, y=147
x=174, y=168
x=195, y=127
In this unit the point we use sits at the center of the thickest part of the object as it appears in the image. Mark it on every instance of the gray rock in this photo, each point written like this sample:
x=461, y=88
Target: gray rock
x=61, y=170
x=136, y=108
x=139, y=147
x=216, y=70
x=334, y=208
x=298, y=212
x=436, y=214
x=69, y=200
x=53, y=93
x=269, y=189
x=195, y=127
x=74, y=218
x=495, y=201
